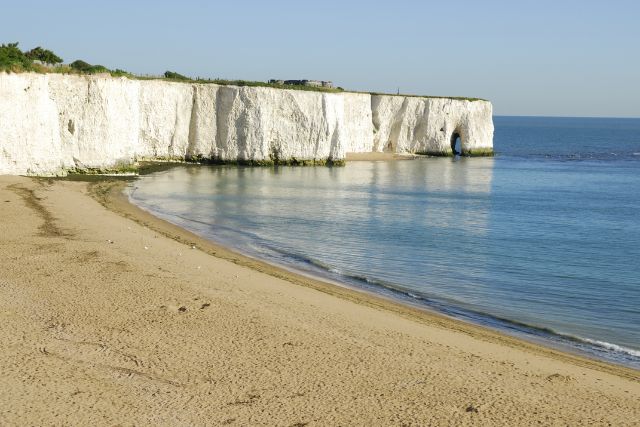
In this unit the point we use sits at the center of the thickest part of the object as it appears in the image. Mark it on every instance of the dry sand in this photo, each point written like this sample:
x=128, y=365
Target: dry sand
x=107, y=321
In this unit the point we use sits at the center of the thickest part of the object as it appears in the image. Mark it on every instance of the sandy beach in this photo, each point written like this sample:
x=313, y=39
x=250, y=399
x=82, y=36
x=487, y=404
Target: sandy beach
x=113, y=317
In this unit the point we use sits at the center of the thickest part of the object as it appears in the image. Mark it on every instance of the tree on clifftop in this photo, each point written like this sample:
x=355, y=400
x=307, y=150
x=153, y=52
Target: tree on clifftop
x=12, y=58
x=43, y=55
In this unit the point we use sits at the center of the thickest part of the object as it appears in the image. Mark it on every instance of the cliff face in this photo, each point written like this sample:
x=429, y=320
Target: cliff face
x=50, y=123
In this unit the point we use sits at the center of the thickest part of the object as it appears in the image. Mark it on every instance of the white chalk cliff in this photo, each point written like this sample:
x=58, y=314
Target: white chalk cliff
x=52, y=123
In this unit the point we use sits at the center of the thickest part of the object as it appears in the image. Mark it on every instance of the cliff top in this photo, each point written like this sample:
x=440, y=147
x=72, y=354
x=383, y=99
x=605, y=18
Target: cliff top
x=39, y=60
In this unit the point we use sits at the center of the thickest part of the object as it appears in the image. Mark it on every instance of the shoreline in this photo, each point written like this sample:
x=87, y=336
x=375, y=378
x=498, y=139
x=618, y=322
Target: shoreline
x=109, y=316
x=110, y=194
x=588, y=348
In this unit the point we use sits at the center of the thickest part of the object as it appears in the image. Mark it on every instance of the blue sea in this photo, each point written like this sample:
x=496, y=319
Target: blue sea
x=541, y=241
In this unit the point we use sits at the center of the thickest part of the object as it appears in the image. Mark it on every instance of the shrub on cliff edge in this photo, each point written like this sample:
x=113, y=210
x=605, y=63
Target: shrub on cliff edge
x=175, y=76
x=85, y=68
x=43, y=55
x=80, y=65
x=12, y=58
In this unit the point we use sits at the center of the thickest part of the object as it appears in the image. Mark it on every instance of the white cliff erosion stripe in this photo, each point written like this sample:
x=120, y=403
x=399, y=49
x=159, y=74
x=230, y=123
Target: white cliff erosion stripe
x=51, y=123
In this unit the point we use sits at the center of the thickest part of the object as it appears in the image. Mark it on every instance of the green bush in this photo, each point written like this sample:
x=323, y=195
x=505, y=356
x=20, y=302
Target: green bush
x=85, y=68
x=95, y=69
x=121, y=73
x=12, y=58
x=43, y=55
x=80, y=65
x=175, y=76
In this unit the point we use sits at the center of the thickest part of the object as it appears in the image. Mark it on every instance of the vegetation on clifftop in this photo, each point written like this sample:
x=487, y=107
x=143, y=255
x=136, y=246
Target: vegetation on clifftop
x=45, y=56
x=40, y=60
x=13, y=59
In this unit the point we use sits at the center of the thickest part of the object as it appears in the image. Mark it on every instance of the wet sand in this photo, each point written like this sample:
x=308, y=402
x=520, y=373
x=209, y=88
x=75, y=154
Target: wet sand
x=112, y=316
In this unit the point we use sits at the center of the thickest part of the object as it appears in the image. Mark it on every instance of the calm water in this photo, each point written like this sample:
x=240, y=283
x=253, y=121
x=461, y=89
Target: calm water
x=541, y=240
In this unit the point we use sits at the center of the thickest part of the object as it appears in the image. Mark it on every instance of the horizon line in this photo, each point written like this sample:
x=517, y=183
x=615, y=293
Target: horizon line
x=567, y=117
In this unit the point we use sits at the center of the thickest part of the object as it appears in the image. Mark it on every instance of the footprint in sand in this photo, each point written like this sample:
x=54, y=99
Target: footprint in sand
x=182, y=308
x=174, y=308
x=558, y=378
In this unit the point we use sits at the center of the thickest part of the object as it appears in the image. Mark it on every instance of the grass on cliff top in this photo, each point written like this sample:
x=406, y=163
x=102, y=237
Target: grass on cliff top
x=39, y=60
x=460, y=98
x=175, y=77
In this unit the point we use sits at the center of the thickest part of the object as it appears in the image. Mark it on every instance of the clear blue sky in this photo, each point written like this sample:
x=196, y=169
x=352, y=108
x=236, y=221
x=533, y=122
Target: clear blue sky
x=567, y=58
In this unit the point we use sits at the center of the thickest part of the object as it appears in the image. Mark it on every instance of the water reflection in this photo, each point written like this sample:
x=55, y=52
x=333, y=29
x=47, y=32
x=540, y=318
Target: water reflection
x=518, y=241
x=353, y=219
